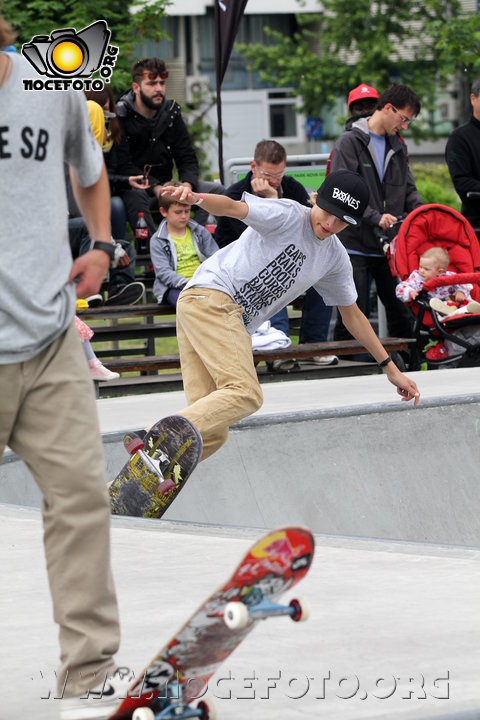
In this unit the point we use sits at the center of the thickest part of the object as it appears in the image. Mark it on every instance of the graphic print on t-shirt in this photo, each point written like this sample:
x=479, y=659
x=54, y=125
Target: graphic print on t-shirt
x=271, y=283
x=187, y=258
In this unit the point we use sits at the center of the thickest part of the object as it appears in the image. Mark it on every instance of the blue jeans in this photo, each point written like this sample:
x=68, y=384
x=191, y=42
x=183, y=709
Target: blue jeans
x=80, y=244
x=316, y=318
x=280, y=321
x=118, y=218
x=171, y=296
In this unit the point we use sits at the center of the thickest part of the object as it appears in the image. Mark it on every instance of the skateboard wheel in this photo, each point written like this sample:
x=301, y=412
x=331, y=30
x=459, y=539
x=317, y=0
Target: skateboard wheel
x=235, y=615
x=302, y=609
x=134, y=445
x=208, y=709
x=144, y=713
x=166, y=486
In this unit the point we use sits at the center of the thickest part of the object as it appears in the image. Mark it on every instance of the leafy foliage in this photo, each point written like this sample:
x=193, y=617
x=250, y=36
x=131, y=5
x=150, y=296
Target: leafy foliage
x=362, y=41
x=435, y=185
x=196, y=117
x=458, y=47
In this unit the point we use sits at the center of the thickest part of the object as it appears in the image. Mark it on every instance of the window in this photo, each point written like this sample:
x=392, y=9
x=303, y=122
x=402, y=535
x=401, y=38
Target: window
x=282, y=115
x=251, y=31
x=166, y=48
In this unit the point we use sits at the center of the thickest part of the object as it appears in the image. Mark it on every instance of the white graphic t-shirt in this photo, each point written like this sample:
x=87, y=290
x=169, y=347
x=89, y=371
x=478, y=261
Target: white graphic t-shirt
x=276, y=259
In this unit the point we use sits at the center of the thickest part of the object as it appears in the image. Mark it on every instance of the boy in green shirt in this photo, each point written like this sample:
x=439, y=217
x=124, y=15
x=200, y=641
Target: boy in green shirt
x=178, y=247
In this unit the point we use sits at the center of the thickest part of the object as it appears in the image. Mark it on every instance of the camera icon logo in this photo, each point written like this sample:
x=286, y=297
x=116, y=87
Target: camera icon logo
x=66, y=54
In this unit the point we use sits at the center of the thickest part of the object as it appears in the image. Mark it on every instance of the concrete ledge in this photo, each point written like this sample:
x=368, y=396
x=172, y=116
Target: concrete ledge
x=376, y=468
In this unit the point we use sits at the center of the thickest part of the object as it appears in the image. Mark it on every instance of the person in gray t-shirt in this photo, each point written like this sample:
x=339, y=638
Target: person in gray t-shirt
x=48, y=412
x=286, y=249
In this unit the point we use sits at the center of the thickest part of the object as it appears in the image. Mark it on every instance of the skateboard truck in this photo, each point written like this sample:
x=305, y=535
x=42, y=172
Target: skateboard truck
x=236, y=614
x=178, y=709
x=136, y=445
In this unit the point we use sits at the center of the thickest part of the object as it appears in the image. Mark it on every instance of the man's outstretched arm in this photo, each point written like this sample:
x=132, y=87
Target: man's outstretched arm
x=212, y=203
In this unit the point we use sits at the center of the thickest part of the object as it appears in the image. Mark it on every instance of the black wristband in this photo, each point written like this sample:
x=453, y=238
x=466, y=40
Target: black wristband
x=107, y=247
x=385, y=362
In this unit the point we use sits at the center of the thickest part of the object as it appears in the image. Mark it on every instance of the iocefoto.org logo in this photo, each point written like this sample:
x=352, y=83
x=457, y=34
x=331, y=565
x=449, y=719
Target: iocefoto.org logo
x=70, y=58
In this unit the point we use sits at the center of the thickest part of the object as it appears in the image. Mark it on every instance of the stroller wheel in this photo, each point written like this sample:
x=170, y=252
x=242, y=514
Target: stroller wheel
x=399, y=361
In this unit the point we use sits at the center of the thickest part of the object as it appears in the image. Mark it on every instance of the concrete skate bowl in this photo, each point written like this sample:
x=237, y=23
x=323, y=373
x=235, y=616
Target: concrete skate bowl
x=377, y=471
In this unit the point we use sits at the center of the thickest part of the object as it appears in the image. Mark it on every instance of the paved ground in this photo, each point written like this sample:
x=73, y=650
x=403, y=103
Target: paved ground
x=390, y=622
x=394, y=631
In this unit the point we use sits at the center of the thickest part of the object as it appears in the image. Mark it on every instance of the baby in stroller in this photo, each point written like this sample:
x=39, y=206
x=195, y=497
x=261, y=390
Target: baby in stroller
x=445, y=299
x=441, y=289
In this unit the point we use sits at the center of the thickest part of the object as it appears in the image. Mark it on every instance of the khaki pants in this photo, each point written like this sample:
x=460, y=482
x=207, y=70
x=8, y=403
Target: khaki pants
x=219, y=376
x=48, y=417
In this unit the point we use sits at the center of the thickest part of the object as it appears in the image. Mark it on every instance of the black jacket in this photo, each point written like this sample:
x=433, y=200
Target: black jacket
x=161, y=141
x=229, y=229
x=396, y=194
x=462, y=155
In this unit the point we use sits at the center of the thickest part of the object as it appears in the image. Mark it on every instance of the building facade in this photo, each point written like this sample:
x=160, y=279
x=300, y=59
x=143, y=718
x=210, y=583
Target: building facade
x=250, y=109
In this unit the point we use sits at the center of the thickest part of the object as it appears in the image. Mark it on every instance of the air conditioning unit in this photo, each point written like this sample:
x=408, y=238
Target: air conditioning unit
x=176, y=79
x=195, y=86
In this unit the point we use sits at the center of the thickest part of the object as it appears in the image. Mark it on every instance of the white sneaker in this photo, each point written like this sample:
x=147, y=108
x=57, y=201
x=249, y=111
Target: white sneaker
x=129, y=294
x=281, y=365
x=320, y=360
x=473, y=307
x=100, y=372
x=101, y=701
x=94, y=300
x=440, y=306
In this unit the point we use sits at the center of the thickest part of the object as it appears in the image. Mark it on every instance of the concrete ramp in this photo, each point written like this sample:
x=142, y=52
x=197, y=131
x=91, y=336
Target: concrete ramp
x=398, y=475
x=344, y=457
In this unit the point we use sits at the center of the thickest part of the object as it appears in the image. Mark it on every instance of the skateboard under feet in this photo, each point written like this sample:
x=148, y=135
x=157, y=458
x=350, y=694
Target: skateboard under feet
x=158, y=468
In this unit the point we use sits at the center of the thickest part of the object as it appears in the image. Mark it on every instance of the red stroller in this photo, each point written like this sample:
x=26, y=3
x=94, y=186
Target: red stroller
x=441, y=226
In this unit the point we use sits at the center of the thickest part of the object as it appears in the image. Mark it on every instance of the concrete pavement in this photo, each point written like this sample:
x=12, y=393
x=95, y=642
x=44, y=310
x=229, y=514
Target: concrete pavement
x=393, y=634
x=395, y=625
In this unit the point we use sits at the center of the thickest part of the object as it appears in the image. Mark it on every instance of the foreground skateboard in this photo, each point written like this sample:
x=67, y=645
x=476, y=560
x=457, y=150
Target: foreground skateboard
x=178, y=676
x=158, y=468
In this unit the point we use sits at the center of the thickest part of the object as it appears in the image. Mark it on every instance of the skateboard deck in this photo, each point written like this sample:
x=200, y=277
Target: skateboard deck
x=179, y=674
x=157, y=471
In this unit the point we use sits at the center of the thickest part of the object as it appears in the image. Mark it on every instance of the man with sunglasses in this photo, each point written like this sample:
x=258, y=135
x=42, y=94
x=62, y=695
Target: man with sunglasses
x=267, y=179
x=372, y=147
x=154, y=140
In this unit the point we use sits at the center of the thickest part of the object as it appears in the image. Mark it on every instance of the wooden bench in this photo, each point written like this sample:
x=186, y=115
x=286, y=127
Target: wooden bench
x=143, y=370
x=146, y=330
x=294, y=352
x=114, y=312
x=161, y=373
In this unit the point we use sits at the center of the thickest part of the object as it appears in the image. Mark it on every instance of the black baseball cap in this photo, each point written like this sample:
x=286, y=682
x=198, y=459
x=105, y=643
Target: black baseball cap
x=344, y=194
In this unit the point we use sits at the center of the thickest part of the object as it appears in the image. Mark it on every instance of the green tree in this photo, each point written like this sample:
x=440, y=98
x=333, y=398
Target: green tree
x=353, y=42
x=458, y=47
x=129, y=23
